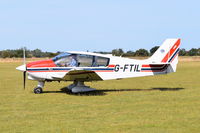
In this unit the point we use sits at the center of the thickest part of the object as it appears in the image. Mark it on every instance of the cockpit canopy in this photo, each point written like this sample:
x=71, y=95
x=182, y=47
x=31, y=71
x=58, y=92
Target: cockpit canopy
x=80, y=60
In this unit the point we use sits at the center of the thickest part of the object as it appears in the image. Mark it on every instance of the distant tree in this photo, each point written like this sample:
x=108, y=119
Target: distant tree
x=120, y=51
x=193, y=52
x=18, y=53
x=153, y=50
x=129, y=53
x=49, y=54
x=58, y=52
x=114, y=52
x=37, y=53
x=5, y=54
x=117, y=52
x=182, y=52
x=198, y=52
x=141, y=52
x=102, y=52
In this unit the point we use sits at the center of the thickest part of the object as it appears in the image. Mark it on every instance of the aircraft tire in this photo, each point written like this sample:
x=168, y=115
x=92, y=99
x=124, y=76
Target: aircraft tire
x=38, y=90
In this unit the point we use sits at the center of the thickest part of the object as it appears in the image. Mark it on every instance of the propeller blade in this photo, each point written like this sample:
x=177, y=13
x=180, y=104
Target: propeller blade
x=24, y=73
x=24, y=76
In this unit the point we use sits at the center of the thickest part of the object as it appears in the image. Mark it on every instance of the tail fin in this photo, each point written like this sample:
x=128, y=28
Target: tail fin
x=167, y=53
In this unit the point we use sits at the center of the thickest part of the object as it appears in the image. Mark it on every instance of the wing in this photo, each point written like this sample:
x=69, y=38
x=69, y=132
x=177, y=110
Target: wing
x=81, y=75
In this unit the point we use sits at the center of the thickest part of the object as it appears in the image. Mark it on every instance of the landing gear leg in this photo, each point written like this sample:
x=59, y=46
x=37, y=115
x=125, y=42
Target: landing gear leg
x=38, y=89
x=72, y=85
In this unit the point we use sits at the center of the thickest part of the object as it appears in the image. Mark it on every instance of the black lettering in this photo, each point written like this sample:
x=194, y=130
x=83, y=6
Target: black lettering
x=131, y=67
x=125, y=67
x=117, y=68
x=137, y=68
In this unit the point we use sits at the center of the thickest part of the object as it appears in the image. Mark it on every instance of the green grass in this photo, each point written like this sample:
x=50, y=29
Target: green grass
x=159, y=104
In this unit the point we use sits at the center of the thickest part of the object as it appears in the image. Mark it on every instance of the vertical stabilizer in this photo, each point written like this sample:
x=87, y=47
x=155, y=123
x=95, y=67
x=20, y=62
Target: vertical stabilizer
x=167, y=52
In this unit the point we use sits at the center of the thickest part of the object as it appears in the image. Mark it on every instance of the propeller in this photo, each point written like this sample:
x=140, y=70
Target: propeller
x=23, y=67
x=24, y=73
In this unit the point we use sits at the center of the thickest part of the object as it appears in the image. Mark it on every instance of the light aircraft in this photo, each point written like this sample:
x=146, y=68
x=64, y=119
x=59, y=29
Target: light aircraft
x=81, y=67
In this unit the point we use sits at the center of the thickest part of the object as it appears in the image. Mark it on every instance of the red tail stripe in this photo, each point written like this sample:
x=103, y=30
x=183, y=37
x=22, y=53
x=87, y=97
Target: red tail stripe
x=172, y=50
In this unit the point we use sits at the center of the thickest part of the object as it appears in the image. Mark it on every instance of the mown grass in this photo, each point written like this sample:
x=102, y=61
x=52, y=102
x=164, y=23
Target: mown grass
x=166, y=103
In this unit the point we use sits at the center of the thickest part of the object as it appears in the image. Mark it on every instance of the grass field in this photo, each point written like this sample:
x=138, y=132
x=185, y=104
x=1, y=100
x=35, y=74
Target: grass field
x=159, y=104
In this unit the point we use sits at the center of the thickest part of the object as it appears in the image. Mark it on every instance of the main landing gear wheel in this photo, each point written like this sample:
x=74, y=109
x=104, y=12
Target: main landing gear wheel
x=79, y=87
x=38, y=90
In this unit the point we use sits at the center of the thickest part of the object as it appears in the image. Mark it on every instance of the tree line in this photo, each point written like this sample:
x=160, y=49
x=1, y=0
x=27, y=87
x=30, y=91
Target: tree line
x=144, y=52
x=18, y=53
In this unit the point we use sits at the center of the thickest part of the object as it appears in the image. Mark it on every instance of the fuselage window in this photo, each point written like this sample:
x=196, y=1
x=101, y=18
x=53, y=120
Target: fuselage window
x=101, y=61
x=79, y=60
x=92, y=61
x=85, y=60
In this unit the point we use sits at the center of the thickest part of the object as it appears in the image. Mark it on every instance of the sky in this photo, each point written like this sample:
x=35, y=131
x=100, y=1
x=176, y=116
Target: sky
x=97, y=25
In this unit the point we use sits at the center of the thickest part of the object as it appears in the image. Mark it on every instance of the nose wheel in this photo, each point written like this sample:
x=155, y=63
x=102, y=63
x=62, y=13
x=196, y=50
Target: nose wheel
x=38, y=89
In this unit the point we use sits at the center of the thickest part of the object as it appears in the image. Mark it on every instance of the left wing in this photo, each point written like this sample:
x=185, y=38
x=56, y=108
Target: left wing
x=81, y=75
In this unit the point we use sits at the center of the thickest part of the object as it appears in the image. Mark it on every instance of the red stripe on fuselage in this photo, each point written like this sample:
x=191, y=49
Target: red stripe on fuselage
x=111, y=65
x=43, y=63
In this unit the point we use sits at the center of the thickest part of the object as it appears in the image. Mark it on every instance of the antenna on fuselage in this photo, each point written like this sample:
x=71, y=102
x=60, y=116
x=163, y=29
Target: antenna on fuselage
x=121, y=55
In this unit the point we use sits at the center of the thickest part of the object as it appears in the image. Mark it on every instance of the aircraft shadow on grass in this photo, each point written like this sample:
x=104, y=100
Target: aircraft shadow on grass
x=103, y=92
